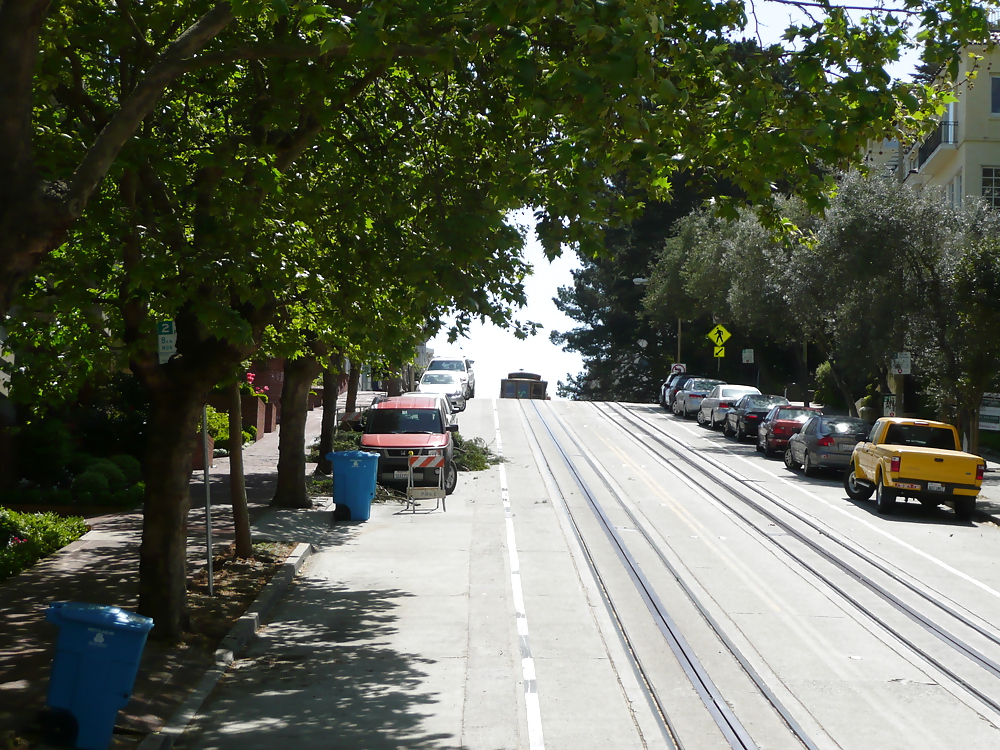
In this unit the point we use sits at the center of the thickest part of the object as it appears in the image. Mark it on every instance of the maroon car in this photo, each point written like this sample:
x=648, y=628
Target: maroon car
x=780, y=424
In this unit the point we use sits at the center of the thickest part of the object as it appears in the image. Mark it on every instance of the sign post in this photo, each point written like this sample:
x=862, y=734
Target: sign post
x=901, y=363
x=888, y=405
x=989, y=412
x=167, y=335
x=718, y=336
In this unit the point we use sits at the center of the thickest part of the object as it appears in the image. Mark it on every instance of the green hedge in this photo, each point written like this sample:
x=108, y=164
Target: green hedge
x=25, y=538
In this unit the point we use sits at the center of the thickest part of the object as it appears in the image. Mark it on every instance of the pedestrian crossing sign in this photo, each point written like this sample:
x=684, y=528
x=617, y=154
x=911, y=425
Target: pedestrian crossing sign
x=720, y=351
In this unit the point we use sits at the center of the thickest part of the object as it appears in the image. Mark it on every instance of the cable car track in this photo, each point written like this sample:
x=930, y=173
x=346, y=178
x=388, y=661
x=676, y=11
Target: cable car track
x=742, y=492
x=735, y=734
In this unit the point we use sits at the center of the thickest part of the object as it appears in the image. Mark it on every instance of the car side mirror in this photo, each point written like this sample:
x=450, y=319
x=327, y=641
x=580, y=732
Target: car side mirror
x=453, y=428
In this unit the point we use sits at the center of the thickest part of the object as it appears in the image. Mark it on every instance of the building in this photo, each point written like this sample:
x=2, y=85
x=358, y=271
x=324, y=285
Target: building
x=961, y=156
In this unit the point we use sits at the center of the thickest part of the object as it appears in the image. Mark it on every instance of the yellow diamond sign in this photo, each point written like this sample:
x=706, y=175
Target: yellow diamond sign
x=719, y=335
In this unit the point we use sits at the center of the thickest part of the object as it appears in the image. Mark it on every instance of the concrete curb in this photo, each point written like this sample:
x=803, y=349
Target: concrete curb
x=238, y=638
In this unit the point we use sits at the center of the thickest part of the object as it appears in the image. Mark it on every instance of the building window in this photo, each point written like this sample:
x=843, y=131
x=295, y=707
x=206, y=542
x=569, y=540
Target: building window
x=991, y=186
x=995, y=95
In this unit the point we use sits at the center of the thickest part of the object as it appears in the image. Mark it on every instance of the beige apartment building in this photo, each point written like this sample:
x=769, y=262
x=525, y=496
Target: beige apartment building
x=961, y=157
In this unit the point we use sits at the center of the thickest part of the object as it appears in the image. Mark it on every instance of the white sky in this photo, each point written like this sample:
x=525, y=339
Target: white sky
x=497, y=352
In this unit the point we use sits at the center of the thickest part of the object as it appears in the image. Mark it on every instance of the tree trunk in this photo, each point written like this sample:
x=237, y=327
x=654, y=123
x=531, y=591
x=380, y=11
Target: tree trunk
x=173, y=425
x=331, y=392
x=237, y=480
x=352, y=388
x=291, y=490
x=852, y=408
x=8, y=457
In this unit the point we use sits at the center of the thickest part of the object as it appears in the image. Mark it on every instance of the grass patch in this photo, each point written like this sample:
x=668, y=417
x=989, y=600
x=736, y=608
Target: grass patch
x=25, y=538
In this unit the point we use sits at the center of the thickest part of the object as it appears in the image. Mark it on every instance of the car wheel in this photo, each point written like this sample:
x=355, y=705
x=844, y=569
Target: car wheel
x=701, y=418
x=885, y=498
x=855, y=489
x=790, y=463
x=964, y=508
x=741, y=434
x=726, y=429
x=768, y=450
x=760, y=445
x=450, y=477
x=808, y=468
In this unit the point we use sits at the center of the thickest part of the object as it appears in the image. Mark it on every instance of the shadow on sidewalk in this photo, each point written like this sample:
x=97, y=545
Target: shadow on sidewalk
x=323, y=677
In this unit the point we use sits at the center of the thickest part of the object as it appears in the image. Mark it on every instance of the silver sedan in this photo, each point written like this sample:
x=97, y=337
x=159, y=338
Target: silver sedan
x=445, y=383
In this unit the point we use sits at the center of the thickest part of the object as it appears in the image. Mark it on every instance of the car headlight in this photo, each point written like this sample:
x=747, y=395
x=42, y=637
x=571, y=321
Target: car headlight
x=432, y=452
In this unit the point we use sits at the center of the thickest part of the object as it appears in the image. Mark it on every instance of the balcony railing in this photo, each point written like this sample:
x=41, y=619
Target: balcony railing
x=945, y=132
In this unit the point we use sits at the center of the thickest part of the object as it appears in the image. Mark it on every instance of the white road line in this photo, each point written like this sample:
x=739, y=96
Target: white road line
x=531, y=705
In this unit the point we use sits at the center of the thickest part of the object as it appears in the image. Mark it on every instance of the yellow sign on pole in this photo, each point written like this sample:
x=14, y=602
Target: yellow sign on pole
x=719, y=335
x=720, y=351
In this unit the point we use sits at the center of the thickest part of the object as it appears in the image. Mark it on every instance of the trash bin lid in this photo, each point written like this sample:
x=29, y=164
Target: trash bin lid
x=100, y=615
x=350, y=455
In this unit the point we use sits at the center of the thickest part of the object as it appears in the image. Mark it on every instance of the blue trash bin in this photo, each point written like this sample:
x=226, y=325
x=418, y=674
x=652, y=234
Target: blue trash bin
x=354, y=475
x=97, y=657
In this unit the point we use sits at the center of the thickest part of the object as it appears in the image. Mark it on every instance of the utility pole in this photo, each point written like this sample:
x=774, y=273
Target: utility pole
x=678, y=340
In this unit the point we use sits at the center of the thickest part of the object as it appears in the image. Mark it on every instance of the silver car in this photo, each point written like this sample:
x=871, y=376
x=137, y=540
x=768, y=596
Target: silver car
x=689, y=397
x=716, y=405
x=446, y=383
x=824, y=441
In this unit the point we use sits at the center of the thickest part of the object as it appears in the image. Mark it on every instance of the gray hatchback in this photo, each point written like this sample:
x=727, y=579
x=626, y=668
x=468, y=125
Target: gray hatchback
x=824, y=441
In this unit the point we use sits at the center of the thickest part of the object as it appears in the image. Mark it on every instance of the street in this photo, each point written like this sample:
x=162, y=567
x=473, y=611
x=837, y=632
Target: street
x=627, y=579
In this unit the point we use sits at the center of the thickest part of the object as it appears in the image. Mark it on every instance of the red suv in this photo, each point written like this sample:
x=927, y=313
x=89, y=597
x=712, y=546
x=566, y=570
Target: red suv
x=404, y=426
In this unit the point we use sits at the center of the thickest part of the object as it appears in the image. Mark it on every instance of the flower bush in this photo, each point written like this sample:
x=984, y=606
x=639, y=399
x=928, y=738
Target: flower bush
x=25, y=538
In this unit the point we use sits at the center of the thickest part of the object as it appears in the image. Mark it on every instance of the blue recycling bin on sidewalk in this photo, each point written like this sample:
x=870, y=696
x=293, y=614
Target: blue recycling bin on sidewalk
x=354, y=475
x=96, y=661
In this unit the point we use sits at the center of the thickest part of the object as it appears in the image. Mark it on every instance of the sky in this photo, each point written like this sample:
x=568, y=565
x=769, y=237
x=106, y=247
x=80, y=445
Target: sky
x=497, y=352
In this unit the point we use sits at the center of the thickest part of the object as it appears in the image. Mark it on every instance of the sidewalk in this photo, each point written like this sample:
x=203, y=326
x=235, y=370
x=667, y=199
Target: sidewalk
x=102, y=567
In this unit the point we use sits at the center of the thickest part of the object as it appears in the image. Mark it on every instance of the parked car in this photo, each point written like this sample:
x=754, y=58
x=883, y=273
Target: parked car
x=445, y=382
x=688, y=398
x=403, y=426
x=674, y=383
x=915, y=458
x=779, y=425
x=457, y=365
x=439, y=399
x=747, y=414
x=824, y=442
x=717, y=404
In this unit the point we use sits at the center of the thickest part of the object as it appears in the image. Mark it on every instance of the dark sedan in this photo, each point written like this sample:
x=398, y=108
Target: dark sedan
x=780, y=424
x=824, y=441
x=744, y=418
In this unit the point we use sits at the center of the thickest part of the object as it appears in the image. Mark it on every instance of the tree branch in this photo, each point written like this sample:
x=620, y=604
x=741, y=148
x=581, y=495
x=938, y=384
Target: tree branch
x=168, y=67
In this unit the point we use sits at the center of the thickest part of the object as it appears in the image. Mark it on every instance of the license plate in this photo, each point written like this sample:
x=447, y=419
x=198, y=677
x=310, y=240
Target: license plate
x=401, y=475
x=906, y=486
x=935, y=487
x=847, y=447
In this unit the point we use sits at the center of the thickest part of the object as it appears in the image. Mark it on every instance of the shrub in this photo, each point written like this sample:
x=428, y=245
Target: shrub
x=45, y=448
x=130, y=466
x=136, y=494
x=25, y=538
x=91, y=483
x=114, y=475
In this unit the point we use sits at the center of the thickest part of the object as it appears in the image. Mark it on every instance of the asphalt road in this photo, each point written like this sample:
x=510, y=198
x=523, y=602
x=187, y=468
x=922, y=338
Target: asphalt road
x=627, y=579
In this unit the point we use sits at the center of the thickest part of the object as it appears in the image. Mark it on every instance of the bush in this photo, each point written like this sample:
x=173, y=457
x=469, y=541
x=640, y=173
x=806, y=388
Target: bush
x=45, y=448
x=25, y=538
x=130, y=466
x=93, y=484
x=114, y=475
x=474, y=454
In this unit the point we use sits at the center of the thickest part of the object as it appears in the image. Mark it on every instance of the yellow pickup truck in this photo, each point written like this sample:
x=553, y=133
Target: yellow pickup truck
x=914, y=458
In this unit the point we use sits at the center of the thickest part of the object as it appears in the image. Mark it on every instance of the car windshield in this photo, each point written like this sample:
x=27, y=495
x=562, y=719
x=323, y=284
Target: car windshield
x=404, y=421
x=846, y=426
x=920, y=435
x=447, y=364
x=765, y=402
x=799, y=415
x=438, y=378
x=700, y=384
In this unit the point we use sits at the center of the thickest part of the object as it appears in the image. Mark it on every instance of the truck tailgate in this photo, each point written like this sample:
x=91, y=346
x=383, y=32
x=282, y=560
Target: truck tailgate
x=934, y=469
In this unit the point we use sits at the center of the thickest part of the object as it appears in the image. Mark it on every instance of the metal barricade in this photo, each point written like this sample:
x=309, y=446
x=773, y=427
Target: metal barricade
x=414, y=494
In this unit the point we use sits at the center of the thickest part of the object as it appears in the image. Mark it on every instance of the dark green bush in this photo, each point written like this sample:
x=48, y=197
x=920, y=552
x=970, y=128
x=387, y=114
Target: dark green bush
x=130, y=466
x=92, y=483
x=114, y=475
x=45, y=448
x=25, y=538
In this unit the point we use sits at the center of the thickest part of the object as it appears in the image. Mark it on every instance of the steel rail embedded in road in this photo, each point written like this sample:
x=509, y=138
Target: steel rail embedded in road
x=729, y=724
x=743, y=494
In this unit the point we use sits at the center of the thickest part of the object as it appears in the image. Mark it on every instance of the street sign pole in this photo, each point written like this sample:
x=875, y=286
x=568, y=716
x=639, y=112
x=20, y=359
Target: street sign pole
x=208, y=499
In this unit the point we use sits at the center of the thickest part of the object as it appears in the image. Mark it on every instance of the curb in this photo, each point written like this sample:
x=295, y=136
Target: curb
x=238, y=638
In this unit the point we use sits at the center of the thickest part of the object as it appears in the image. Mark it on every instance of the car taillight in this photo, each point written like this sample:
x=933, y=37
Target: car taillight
x=825, y=441
x=780, y=429
x=723, y=405
x=894, y=463
x=979, y=472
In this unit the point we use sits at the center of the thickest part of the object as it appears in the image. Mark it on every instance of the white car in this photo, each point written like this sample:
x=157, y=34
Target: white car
x=447, y=383
x=716, y=405
x=462, y=367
